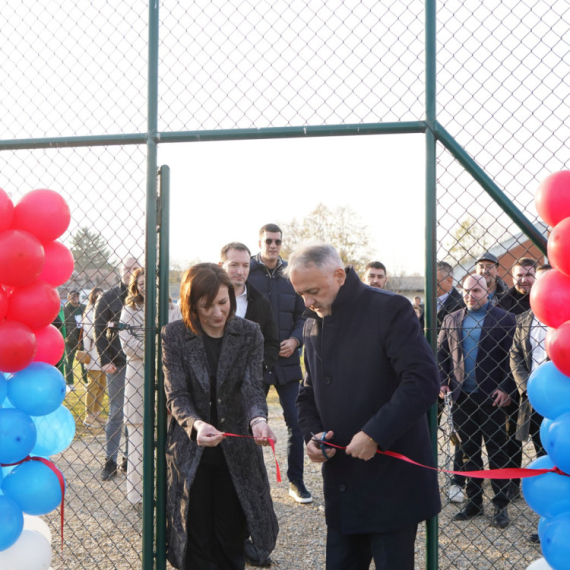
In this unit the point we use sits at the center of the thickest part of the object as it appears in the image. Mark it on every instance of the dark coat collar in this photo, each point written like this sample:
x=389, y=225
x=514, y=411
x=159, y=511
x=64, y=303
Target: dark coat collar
x=252, y=293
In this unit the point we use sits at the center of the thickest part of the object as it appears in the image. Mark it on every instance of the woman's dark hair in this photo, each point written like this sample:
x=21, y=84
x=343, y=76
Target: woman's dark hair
x=203, y=280
x=94, y=295
x=135, y=298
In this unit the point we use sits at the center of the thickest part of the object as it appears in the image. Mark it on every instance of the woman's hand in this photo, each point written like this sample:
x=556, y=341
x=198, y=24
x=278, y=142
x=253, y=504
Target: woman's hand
x=262, y=433
x=207, y=435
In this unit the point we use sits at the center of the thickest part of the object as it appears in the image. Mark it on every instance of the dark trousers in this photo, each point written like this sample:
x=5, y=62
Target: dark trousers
x=295, y=445
x=69, y=374
x=216, y=523
x=535, y=421
x=474, y=424
x=513, y=446
x=390, y=550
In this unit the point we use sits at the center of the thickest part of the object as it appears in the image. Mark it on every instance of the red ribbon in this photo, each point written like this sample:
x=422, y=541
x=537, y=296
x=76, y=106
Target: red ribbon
x=59, y=476
x=271, y=443
x=507, y=473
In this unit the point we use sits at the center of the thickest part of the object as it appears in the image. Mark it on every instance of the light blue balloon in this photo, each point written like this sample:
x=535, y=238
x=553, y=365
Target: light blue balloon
x=558, y=442
x=547, y=495
x=544, y=430
x=17, y=435
x=11, y=522
x=555, y=544
x=548, y=391
x=37, y=390
x=543, y=521
x=35, y=487
x=3, y=388
x=55, y=432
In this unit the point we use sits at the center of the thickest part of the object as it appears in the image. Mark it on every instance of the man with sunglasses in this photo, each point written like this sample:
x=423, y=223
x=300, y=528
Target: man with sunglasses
x=266, y=276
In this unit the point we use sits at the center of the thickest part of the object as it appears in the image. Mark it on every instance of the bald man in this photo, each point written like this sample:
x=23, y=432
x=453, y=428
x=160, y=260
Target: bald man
x=473, y=353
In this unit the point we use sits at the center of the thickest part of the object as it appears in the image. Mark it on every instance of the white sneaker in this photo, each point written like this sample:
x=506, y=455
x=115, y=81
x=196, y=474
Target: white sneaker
x=456, y=494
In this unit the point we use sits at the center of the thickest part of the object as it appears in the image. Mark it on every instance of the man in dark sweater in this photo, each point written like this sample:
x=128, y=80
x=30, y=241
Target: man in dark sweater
x=517, y=299
x=113, y=362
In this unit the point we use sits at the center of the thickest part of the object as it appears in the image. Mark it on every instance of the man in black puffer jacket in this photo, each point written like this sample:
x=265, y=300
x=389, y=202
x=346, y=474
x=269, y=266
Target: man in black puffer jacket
x=266, y=276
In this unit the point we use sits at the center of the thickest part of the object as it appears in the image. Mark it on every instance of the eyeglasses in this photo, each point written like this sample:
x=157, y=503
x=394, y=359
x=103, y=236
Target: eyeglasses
x=269, y=241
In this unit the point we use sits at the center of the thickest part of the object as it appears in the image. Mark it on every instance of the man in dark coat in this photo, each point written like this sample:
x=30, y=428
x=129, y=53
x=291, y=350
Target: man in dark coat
x=72, y=315
x=370, y=379
x=266, y=275
x=517, y=299
x=113, y=362
x=473, y=352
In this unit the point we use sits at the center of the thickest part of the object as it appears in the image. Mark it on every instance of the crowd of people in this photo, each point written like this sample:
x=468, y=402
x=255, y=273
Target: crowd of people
x=370, y=377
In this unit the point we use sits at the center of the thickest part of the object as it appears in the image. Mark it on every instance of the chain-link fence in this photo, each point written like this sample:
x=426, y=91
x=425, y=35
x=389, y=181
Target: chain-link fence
x=84, y=89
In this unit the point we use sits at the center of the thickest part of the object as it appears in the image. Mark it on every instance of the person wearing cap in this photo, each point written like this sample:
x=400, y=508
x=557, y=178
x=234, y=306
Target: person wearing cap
x=488, y=266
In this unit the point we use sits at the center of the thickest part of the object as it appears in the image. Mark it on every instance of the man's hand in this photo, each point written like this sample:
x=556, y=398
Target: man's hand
x=109, y=368
x=443, y=391
x=207, y=435
x=501, y=398
x=287, y=347
x=362, y=447
x=314, y=449
x=262, y=432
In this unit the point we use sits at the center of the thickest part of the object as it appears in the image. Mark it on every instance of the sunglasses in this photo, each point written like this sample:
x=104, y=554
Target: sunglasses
x=269, y=241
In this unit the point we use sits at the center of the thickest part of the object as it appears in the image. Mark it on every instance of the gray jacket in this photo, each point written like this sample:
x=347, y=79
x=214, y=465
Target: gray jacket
x=240, y=398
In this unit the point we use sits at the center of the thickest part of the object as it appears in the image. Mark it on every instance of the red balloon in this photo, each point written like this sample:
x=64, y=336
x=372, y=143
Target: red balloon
x=548, y=339
x=43, y=213
x=17, y=346
x=559, y=246
x=36, y=305
x=22, y=258
x=51, y=345
x=59, y=264
x=552, y=198
x=559, y=349
x=6, y=211
x=550, y=298
x=3, y=303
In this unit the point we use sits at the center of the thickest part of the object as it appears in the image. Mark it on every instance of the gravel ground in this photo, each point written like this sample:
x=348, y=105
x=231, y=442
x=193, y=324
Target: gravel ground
x=103, y=531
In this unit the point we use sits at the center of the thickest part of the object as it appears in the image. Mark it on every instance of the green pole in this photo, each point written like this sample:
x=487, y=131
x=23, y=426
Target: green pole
x=163, y=302
x=431, y=246
x=150, y=297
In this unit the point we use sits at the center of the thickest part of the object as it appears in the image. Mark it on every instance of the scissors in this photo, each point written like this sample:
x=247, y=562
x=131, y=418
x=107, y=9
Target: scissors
x=322, y=444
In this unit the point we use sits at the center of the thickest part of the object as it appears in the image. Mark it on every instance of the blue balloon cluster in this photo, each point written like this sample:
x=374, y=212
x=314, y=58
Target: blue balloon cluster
x=549, y=494
x=33, y=422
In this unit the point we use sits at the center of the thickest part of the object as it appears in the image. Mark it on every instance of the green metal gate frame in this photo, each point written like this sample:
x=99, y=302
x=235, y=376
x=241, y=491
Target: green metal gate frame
x=157, y=253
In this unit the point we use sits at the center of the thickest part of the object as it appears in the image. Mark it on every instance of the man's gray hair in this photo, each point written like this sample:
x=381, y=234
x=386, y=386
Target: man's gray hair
x=323, y=255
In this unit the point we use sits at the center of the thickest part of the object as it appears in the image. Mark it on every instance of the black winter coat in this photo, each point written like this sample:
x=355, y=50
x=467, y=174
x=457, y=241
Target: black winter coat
x=108, y=310
x=369, y=368
x=259, y=311
x=288, y=311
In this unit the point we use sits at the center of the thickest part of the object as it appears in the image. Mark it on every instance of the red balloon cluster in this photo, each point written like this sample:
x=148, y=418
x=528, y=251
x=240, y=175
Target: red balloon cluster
x=32, y=264
x=550, y=295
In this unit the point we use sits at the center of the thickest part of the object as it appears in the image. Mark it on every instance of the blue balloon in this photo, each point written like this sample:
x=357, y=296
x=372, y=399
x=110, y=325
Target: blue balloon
x=555, y=544
x=544, y=430
x=37, y=390
x=543, y=521
x=17, y=435
x=548, y=391
x=3, y=388
x=55, y=432
x=547, y=495
x=558, y=442
x=11, y=522
x=35, y=487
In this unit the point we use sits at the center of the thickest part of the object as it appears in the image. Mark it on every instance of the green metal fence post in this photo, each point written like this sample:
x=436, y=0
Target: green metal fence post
x=430, y=233
x=163, y=303
x=150, y=297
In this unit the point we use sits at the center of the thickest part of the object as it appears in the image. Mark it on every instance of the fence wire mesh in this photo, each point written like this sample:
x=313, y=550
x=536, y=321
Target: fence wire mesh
x=70, y=69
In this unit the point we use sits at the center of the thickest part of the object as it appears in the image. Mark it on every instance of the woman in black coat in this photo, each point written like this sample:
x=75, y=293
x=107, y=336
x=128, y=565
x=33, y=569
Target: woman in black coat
x=217, y=485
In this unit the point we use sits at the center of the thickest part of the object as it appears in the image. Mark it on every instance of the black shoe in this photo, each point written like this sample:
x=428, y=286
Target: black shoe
x=501, y=518
x=513, y=492
x=299, y=492
x=534, y=538
x=469, y=511
x=109, y=470
x=124, y=464
x=252, y=557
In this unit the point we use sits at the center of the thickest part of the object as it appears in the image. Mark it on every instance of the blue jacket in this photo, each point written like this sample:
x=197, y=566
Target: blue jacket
x=369, y=367
x=288, y=310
